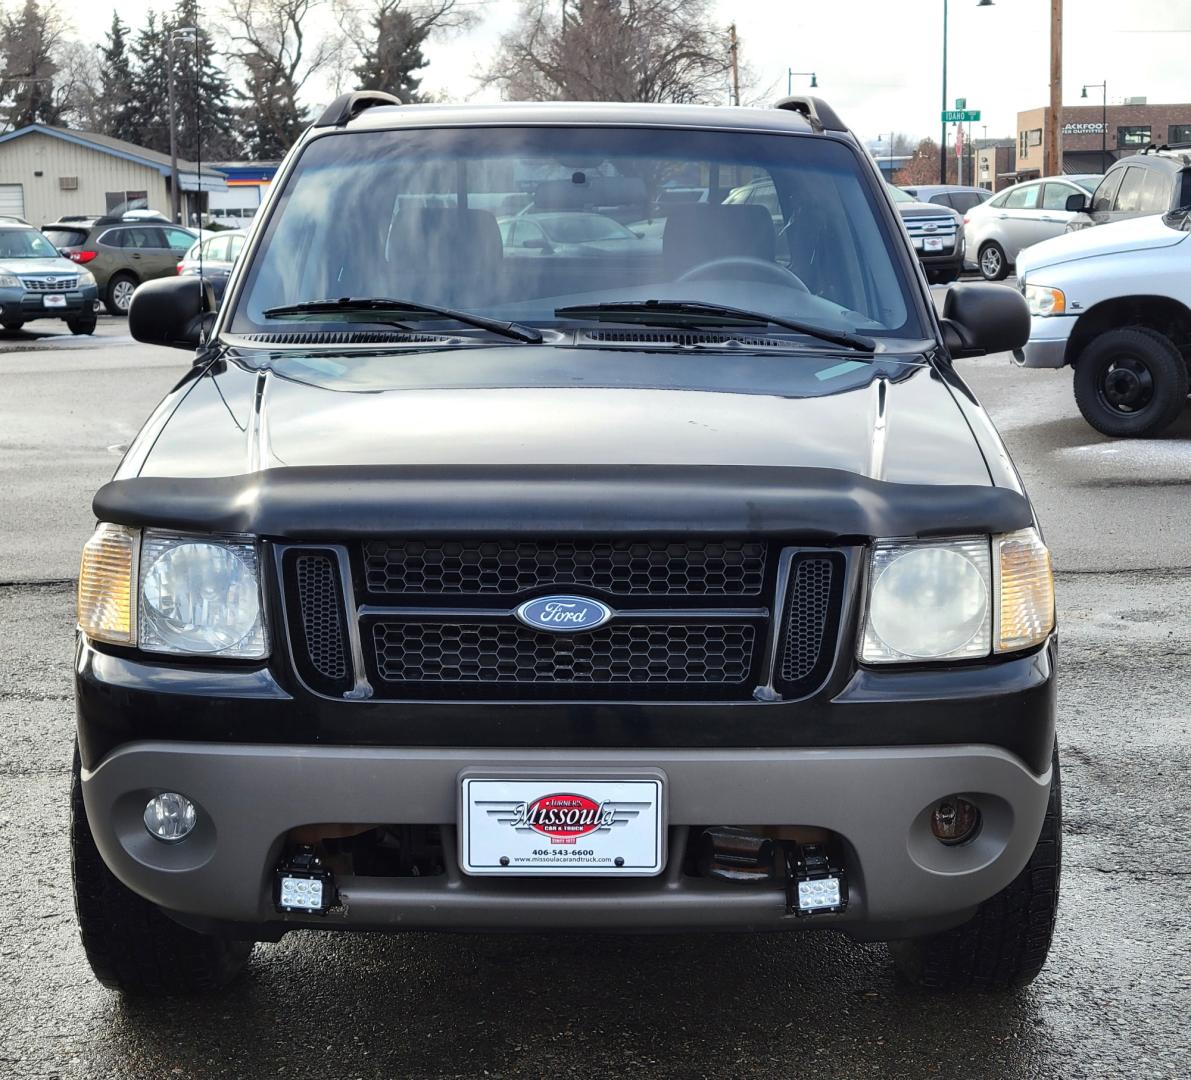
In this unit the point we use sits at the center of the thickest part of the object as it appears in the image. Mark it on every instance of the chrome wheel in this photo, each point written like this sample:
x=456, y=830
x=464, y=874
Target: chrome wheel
x=991, y=262
x=122, y=291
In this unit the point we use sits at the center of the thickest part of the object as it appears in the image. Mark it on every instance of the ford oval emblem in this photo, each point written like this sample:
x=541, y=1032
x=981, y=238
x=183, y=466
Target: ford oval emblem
x=563, y=614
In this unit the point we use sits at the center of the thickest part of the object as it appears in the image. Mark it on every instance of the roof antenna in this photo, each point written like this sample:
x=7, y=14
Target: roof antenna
x=198, y=153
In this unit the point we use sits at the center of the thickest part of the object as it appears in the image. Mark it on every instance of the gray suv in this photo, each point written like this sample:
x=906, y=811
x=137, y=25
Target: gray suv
x=1156, y=181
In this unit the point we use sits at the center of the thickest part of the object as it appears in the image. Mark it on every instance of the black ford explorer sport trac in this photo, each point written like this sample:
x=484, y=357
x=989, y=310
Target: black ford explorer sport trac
x=546, y=534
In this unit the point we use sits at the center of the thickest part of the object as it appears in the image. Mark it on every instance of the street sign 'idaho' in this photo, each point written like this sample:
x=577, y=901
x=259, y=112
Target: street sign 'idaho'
x=960, y=116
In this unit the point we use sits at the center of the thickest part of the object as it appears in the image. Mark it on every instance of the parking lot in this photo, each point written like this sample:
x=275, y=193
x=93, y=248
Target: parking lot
x=1112, y=1001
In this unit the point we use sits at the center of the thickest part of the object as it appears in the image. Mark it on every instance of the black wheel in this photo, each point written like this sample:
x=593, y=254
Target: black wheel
x=942, y=277
x=84, y=324
x=13, y=324
x=131, y=946
x=119, y=294
x=1005, y=944
x=993, y=264
x=1131, y=382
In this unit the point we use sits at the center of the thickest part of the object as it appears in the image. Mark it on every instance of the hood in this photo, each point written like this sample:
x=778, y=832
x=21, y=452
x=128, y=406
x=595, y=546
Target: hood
x=22, y=267
x=1136, y=234
x=524, y=406
x=917, y=210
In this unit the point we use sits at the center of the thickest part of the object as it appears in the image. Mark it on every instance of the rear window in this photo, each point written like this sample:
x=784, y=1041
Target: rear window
x=64, y=238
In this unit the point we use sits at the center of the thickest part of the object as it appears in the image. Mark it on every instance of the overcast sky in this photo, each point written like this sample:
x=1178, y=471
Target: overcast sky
x=878, y=61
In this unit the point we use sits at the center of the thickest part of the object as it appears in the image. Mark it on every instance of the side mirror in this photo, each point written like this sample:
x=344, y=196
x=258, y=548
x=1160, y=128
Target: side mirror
x=980, y=318
x=538, y=244
x=174, y=311
x=1078, y=204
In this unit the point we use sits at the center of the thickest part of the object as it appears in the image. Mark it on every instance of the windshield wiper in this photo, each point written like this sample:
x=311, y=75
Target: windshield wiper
x=402, y=310
x=697, y=313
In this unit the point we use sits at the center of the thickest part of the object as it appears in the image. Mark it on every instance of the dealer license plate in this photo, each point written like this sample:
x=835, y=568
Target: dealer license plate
x=53, y=300
x=561, y=826
x=932, y=243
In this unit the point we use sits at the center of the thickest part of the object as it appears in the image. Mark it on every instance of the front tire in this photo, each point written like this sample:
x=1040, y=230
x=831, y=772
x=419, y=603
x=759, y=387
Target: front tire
x=131, y=946
x=1131, y=382
x=119, y=293
x=1004, y=945
x=994, y=266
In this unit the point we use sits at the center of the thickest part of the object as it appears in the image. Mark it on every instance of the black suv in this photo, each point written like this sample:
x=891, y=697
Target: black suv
x=1156, y=181
x=687, y=589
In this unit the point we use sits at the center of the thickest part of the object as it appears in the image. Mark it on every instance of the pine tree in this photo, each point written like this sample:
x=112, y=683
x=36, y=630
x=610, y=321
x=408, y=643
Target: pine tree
x=148, y=115
x=272, y=119
x=206, y=117
x=115, y=108
x=31, y=35
x=394, y=52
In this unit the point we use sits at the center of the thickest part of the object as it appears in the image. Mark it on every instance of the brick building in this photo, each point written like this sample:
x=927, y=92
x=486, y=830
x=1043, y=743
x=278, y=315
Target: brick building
x=1087, y=146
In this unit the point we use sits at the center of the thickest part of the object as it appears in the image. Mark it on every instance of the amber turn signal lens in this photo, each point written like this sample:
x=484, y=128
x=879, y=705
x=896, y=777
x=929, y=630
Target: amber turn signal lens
x=106, y=609
x=1026, y=591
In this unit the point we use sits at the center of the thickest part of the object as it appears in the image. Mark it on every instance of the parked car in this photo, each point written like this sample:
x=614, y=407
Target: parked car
x=955, y=196
x=122, y=251
x=458, y=591
x=218, y=257
x=937, y=234
x=997, y=230
x=1114, y=303
x=36, y=282
x=1153, y=182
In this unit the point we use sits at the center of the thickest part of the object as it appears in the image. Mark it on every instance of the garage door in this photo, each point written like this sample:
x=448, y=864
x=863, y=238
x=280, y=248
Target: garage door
x=12, y=200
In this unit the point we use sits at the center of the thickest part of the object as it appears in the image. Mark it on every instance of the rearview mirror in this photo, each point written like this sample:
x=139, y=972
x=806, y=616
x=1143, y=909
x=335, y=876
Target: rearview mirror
x=1077, y=204
x=980, y=318
x=174, y=311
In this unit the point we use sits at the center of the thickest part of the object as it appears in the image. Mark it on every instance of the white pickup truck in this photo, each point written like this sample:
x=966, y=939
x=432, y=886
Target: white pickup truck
x=1115, y=304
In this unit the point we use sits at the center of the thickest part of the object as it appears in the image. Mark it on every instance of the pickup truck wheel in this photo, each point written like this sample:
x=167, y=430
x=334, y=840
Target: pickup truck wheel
x=1131, y=382
x=131, y=946
x=993, y=264
x=1005, y=944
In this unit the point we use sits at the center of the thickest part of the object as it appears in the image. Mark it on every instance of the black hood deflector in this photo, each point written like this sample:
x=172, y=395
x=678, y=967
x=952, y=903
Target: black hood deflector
x=325, y=503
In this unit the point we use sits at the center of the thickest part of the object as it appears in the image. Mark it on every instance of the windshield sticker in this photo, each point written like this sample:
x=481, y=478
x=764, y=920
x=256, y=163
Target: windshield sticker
x=836, y=370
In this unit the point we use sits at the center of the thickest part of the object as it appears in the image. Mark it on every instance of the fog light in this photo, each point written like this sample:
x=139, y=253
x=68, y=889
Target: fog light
x=169, y=817
x=954, y=820
x=300, y=893
x=815, y=880
x=819, y=895
x=301, y=883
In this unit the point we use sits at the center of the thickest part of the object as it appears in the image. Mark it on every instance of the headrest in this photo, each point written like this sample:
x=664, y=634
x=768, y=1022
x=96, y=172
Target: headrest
x=445, y=236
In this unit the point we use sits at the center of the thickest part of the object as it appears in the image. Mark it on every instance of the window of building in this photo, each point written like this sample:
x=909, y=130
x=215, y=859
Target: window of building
x=1180, y=133
x=1035, y=137
x=1134, y=135
x=119, y=202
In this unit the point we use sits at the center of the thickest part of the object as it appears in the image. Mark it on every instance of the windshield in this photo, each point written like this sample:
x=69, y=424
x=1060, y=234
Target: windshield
x=900, y=196
x=61, y=238
x=513, y=223
x=25, y=244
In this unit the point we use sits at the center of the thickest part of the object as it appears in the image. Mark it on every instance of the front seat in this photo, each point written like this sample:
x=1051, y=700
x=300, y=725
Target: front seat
x=697, y=233
x=448, y=255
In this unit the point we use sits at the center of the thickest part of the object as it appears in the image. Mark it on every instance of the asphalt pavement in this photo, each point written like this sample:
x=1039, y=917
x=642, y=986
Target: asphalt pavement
x=1112, y=1001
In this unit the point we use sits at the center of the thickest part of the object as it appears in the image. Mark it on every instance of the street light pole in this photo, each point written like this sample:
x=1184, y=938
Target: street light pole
x=943, y=127
x=1103, y=88
x=175, y=192
x=790, y=73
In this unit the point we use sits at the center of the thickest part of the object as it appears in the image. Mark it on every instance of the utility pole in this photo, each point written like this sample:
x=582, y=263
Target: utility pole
x=732, y=51
x=1053, y=162
x=943, y=132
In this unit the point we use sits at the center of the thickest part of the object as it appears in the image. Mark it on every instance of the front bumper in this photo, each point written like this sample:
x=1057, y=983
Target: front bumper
x=1047, y=347
x=19, y=305
x=877, y=799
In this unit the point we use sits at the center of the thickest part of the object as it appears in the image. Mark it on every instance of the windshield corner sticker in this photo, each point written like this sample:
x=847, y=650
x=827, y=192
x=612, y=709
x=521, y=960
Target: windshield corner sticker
x=563, y=614
x=552, y=827
x=836, y=370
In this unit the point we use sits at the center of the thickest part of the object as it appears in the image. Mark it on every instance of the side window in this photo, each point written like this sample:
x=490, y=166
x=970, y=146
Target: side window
x=963, y=201
x=143, y=237
x=1184, y=200
x=528, y=230
x=1155, y=194
x=178, y=239
x=1023, y=198
x=216, y=250
x=235, y=245
x=508, y=228
x=1106, y=192
x=1001, y=199
x=1128, y=199
x=1054, y=196
x=113, y=238
x=942, y=199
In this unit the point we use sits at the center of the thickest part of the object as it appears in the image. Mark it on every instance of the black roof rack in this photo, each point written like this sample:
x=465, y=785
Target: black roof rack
x=348, y=106
x=815, y=109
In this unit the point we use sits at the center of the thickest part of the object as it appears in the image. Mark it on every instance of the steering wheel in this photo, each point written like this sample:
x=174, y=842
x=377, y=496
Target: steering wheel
x=765, y=269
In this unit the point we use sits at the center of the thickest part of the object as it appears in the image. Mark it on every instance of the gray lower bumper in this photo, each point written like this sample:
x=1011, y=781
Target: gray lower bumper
x=878, y=799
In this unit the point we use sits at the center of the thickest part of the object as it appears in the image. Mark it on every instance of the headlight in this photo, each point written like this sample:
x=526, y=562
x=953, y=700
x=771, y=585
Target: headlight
x=86, y=279
x=172, y=594
x=200, y=596
x=11, y=281
x=1045, y=301
x=957, y=599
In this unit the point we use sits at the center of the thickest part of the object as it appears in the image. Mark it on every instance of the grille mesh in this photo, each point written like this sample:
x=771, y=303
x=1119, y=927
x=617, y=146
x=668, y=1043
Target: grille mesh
x=321, y=607
x=808, y=615
x=51, y=284
x=616, y=567
x=499, y=653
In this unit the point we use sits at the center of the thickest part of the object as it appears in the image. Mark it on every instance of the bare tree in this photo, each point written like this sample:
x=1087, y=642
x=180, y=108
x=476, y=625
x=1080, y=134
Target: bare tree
x=269, y=39
x=613, y=50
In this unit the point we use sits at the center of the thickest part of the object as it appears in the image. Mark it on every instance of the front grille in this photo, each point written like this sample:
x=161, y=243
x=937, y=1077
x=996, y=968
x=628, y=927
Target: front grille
x=811, y=622
x=318, y=620
x=40, y=285
x=630, y=653
x=614, y=567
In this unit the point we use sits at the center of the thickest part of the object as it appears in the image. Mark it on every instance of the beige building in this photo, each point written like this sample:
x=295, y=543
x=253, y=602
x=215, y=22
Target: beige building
x=47, y=172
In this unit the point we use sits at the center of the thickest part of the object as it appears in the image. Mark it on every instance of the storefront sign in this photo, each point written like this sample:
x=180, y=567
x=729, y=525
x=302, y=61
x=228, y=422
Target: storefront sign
x=1083, y=129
